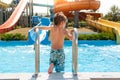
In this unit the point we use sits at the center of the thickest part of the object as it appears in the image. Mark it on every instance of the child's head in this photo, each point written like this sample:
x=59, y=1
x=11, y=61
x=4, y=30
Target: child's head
x=59, y=17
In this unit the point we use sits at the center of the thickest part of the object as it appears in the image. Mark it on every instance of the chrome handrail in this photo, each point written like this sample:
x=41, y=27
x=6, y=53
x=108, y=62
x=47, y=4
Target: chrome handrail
x=75, y=52
x=37, y=45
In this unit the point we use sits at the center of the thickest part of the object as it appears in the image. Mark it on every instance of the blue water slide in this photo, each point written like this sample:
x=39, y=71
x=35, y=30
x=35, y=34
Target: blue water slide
x=43, y=34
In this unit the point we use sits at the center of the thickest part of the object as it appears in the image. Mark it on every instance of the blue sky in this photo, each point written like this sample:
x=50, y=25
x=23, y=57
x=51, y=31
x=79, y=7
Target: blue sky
x=104, y=8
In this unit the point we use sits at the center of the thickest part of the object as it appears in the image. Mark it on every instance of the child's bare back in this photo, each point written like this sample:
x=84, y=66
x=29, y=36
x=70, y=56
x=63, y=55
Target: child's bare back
x=57, y=37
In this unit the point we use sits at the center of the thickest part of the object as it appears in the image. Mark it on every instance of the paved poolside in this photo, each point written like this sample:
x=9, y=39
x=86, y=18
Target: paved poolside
x=62, y=76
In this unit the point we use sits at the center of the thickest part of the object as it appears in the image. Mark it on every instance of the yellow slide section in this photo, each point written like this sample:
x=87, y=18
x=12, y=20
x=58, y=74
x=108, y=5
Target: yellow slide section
x=105, y=25
x=3, y=5
x=10, y=23
x=73, y=5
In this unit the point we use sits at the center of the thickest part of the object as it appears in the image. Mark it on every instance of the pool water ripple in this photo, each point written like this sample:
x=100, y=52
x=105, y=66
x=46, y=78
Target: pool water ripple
x=93, y=56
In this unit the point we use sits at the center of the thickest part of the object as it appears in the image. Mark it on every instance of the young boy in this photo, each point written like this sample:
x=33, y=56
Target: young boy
x=57, y=34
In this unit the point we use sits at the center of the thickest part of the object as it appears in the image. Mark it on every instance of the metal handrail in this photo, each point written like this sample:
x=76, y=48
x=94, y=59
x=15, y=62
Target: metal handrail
x=75, y=52
x=37, y=41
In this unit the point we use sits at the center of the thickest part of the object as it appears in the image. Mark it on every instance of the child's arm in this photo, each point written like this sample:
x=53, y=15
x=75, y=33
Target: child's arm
x=69, y=34
x=43, y=28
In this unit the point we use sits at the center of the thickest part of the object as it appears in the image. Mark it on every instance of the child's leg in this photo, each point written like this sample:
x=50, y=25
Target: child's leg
x=50, y=68
x=60, y=62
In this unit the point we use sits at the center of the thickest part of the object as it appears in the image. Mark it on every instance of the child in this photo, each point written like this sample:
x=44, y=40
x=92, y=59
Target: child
x=57, y=34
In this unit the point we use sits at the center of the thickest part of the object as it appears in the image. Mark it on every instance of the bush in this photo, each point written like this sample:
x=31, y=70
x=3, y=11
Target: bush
x=70, y=24
x=83, y=23
x=10, y=37
x=99, y=36
x=0, y=36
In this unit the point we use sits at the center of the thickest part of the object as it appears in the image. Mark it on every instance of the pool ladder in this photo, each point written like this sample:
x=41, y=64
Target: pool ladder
x=74, y=52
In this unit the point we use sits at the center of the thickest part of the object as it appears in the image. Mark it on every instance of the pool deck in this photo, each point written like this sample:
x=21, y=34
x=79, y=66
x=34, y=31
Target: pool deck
x=62, y=76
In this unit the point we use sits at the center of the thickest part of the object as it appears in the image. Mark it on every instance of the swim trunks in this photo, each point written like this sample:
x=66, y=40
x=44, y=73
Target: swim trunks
x=57, y=57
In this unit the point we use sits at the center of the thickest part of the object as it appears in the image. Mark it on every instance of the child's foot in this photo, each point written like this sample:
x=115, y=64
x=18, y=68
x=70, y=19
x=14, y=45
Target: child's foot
x=50, y=68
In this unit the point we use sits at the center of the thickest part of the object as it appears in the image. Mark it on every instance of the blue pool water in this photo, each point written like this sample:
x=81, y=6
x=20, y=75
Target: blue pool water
x=94, y=56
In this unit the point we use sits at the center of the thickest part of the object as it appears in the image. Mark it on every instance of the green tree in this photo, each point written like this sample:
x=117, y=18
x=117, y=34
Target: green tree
x=36, y=14
x=113, y=14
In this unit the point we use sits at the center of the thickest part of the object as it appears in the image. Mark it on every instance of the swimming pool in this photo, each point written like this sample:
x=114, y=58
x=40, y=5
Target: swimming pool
x=93, y=56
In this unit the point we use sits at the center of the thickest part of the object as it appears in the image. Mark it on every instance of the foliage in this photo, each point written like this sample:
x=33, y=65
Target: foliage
x=99, y=36
x=83, y=23
x=0, y=36
x=113, y=14
x=36, y=14
x=70, y=24
x=47, y=15
x=10, y=37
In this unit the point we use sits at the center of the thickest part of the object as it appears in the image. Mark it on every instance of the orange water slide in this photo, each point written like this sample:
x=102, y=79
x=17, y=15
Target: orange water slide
x=73, y=5
x=10, y=23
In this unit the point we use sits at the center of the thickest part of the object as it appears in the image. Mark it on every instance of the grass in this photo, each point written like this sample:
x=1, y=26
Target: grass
x=23, y=32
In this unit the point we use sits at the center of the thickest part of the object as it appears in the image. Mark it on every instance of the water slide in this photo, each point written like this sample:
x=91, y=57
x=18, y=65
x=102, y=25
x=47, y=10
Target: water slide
x=73, y=5
x=13, y=19
x=43, y=34
x=105, y=25
x=67, y=6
